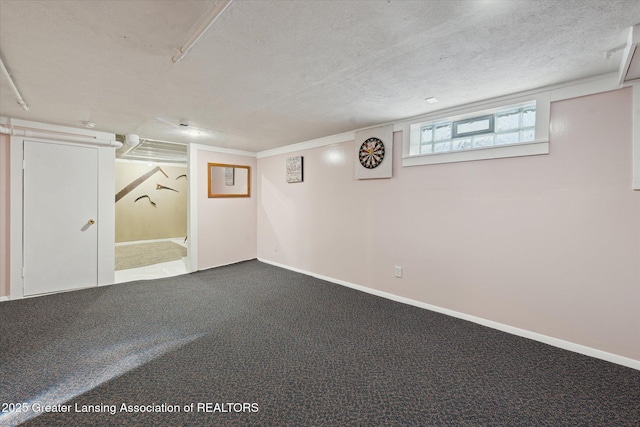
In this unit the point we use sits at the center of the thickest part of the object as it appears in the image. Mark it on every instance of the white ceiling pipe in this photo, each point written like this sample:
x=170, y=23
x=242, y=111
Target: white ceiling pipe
x=214, y=13
x=23, y=104
x=131, y=141
x=59, y=137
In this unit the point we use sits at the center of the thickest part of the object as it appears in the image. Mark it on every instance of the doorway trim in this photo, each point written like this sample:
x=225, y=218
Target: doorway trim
x=191, y=181
x=192, y=208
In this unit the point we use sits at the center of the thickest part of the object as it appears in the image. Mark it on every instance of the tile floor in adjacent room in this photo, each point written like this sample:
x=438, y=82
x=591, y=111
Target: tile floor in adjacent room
x=155, y=271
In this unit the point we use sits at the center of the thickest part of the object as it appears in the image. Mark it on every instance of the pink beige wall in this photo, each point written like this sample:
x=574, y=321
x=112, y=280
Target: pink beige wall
x=4, y=215
x=226, y=226
x=549, y=244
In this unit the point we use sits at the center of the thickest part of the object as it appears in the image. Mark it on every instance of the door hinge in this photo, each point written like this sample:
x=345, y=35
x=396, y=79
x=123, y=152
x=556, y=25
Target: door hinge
x=22, y=272
x=24, y=163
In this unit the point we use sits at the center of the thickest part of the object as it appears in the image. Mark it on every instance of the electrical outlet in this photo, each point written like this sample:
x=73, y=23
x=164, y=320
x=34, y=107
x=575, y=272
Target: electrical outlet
x=397, y=271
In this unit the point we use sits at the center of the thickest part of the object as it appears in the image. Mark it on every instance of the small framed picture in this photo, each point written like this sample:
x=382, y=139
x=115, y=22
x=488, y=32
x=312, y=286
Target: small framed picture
x=294, y=169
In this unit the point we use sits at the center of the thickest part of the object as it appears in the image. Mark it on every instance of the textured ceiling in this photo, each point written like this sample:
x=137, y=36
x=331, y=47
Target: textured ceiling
x=272, y=73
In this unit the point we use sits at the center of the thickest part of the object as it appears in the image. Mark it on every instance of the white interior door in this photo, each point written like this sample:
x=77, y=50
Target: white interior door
x=60, y=224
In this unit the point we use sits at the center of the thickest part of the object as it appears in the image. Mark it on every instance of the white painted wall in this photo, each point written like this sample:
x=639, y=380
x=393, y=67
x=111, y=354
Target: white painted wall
x=548, y=244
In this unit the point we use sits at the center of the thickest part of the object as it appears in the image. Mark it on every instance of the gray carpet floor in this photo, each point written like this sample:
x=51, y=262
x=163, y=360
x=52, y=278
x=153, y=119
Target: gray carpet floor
x=253, y=344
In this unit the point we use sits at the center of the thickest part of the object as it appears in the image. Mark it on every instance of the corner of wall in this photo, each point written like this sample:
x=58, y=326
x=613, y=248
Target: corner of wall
x=636, y=137
x=4, y=216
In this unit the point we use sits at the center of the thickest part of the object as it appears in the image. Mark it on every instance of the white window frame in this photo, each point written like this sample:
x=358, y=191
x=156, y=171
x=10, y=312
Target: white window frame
x=540, y=145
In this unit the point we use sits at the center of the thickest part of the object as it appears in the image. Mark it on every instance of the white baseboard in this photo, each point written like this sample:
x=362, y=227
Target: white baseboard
x=556, y=342
x=2, y=299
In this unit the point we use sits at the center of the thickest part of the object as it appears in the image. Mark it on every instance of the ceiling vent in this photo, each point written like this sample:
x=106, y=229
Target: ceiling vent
x=149, y=150
x=630, y=66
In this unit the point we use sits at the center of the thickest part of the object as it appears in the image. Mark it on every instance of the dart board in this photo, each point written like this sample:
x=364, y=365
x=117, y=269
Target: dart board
x=371, y=153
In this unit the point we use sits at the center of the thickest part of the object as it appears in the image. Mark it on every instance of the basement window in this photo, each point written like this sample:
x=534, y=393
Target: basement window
x=508, y=129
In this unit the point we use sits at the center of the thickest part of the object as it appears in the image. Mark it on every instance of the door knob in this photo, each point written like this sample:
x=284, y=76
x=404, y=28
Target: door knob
x=91, y=222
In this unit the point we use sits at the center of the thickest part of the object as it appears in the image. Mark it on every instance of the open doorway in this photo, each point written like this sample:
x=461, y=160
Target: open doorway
x=151, y=211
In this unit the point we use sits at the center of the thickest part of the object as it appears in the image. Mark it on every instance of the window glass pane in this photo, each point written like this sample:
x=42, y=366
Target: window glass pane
x=426, y=148
x=427, y=134
x=507, y=138
x=461, y=144
x=508, y=120
x=512, y=124
x=474, y=125
x=443, y=132
x=483, y=141
x=529, y=117
x=441, y=147
x=527, y=135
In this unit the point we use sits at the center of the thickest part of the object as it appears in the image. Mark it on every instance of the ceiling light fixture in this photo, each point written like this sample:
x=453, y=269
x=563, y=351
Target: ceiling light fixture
x=431, y=100
x=630, y=65
x=131, y=139
x=211, y=17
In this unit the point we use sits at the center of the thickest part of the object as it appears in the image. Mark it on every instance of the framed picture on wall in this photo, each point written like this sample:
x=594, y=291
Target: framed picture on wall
x=294, y=169
x=220, y=175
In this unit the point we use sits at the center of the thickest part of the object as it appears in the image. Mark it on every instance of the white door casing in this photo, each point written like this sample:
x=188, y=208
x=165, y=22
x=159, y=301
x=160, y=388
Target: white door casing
x=60, y=249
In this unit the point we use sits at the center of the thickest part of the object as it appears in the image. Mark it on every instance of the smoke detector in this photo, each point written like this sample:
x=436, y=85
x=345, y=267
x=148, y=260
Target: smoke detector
x=184, y=122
